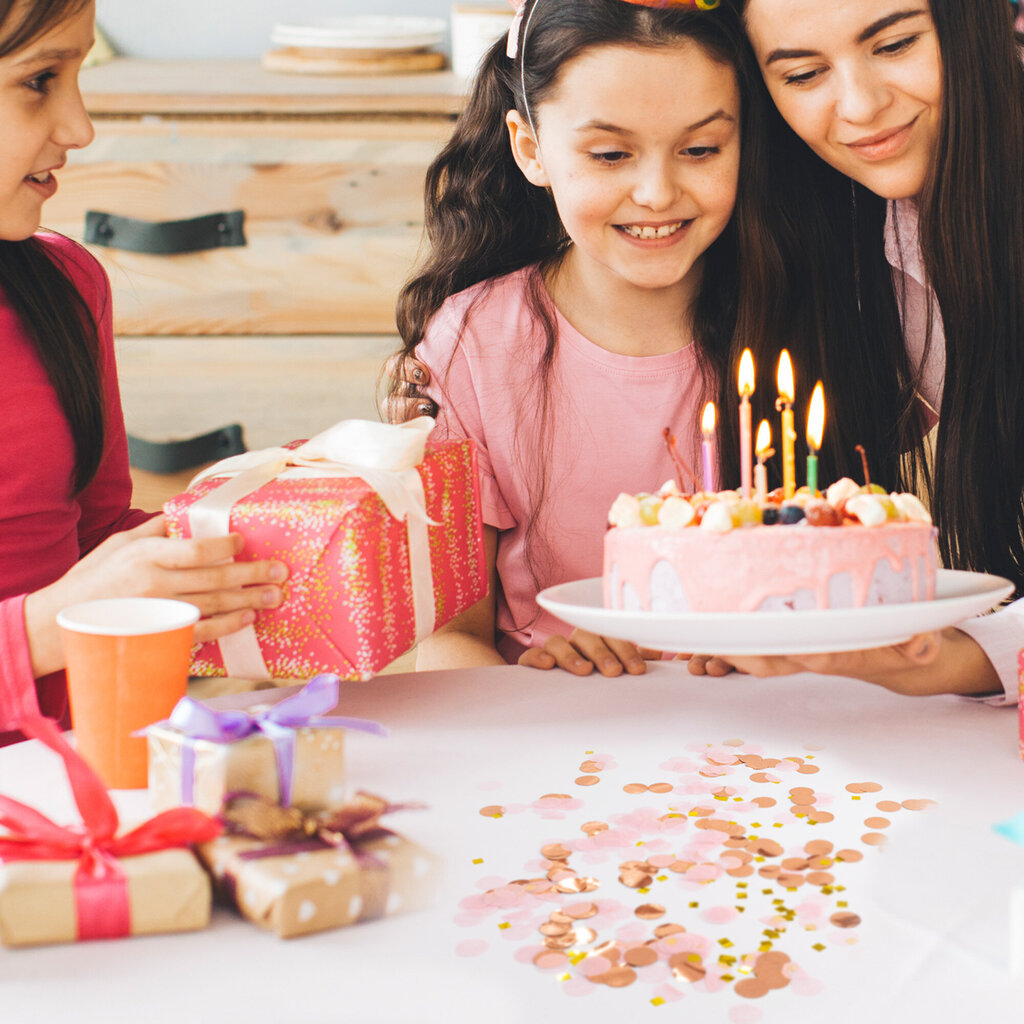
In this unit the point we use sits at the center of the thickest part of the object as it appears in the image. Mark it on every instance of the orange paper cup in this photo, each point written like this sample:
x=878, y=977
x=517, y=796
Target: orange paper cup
x=127, y=665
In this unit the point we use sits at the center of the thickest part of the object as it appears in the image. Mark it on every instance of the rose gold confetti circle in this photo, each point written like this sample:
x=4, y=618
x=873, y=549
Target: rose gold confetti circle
x=661, y=787
x=877, y=822
x=889, y=806
x=816, y=817
x=634, y=787
x=555, y=851
x=580, y=911
x=845, y=919
x=591, y=828
x=820, y=878
x=763, y=801
x=686, y=969
x=649, y=911
x=492, y=811
x=850, y=856
x=587, y=780
x=789, y=879
x=640, y=956
x=917, y=805
x=751, y=988
x=554, y=928
x=808, y=769
x=818, y=847
x=619, y=977
x=590, y=766
x=668, y=928
x=802, y=795
x=872, y=838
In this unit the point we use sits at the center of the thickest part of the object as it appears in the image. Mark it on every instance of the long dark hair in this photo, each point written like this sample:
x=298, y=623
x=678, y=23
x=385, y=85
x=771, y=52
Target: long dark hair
x=40, y=290
x=971, y=224
x=484, y=219
x=972, y=241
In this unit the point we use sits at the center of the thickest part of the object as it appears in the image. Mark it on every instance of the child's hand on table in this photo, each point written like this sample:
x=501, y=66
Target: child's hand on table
x=583, y=651
x=931, y=663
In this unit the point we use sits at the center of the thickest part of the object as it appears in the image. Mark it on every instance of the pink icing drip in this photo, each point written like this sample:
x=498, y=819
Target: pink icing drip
x=736, y=571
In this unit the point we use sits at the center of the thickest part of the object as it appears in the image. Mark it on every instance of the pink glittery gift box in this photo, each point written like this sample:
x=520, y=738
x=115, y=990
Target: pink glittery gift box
x=348, y=605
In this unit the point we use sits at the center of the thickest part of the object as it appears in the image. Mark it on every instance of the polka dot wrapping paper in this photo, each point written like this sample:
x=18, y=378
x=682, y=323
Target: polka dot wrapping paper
x=348, y=605
x=320, y=889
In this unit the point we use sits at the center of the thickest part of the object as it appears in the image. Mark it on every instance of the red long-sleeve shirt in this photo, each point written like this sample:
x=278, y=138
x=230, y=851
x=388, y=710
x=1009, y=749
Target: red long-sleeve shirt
x=44, y=530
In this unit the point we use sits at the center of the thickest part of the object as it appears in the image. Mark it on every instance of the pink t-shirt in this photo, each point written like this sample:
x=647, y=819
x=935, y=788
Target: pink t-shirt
x=603, y=435
x=44, y=530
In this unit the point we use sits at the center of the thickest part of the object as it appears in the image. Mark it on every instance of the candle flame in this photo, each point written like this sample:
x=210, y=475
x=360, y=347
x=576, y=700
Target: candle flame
x=764, y=438
x=816, y=418
x=707, y=421
x=785, y=377
x=746, y=375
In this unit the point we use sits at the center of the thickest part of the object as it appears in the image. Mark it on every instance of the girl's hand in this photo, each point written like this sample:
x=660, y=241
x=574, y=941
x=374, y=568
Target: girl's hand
x=143, y=562
x=408, y=401
x=583, y=651
x=924, y=665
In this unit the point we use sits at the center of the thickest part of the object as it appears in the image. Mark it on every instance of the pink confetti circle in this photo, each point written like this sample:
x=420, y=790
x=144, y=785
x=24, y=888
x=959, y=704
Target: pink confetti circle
x=472, y=947
x=745, y=1015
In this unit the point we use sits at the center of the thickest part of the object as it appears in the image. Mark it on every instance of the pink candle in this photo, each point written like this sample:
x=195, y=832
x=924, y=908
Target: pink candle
x=746, y=389
x=707, y=426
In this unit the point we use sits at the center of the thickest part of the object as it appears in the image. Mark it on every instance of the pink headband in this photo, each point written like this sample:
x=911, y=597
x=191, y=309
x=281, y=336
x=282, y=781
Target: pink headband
x=512, y=49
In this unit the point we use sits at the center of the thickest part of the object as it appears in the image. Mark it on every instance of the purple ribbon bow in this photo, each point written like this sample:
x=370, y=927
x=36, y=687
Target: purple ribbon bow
x=278, y=723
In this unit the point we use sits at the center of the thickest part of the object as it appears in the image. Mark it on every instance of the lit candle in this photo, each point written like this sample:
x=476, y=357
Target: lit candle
x=815, y=430
x=784, y=404
x=707, y=428
x=763, y=450
x=746, y=389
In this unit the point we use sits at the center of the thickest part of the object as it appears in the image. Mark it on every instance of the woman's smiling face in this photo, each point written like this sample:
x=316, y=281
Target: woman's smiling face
x=860, y=81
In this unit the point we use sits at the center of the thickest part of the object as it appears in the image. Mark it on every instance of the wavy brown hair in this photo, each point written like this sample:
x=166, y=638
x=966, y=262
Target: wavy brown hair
x=40, y=290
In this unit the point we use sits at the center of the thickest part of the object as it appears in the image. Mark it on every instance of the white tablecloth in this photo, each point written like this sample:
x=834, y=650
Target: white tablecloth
x=932, y=943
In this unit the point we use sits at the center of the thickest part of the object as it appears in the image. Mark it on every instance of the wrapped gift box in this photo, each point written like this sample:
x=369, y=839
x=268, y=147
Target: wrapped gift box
x=297, y=883
x=349, y=600
x=288, y=751
x=85, y=881
x=168, y=891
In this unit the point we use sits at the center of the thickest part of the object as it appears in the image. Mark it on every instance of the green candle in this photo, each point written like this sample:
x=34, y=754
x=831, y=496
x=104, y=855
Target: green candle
x=815, y=429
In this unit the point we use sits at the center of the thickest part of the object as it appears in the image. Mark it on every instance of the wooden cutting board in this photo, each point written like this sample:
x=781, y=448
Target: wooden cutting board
x=309, y=61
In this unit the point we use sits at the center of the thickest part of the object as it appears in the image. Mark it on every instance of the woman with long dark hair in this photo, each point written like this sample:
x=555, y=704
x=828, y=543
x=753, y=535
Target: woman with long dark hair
x=906, y=121
x=65, y=489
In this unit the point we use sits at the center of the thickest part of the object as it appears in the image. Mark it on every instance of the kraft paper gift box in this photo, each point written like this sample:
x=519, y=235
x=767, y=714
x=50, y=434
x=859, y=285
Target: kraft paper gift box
x=289, y=751
x=381, y=533
x=84, y=882
x=312, y=873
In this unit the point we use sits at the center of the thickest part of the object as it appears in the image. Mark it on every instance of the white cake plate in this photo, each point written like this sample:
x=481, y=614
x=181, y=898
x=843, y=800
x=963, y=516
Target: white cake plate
x=958, y=596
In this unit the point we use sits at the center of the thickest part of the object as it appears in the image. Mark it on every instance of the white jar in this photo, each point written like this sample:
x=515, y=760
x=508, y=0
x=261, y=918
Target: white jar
x=475, y=27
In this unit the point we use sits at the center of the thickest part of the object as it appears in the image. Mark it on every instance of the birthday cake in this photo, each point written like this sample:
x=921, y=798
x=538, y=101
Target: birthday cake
x=851, y=548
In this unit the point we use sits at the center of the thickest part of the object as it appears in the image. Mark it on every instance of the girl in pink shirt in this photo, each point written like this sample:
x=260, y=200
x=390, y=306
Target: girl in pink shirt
x=64, y=487
x=583, y=289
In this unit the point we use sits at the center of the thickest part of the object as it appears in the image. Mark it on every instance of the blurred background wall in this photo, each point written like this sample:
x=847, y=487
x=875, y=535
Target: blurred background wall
x=230, y=28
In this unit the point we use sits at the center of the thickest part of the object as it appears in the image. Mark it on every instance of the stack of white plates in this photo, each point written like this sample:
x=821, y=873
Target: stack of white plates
x=364, y=36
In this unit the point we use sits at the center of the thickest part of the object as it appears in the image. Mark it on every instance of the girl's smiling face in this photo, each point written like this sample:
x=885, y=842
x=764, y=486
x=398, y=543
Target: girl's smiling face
x=860, y=81
x=640, y=148
x=41, y=117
